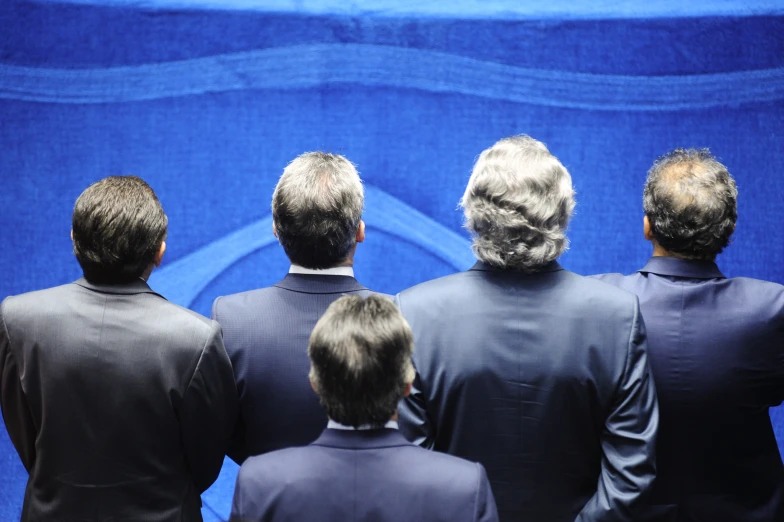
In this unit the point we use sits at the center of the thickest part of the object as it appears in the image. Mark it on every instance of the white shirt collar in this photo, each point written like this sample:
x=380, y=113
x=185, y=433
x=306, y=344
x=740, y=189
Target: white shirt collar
x=338, y=426
x=335, y=270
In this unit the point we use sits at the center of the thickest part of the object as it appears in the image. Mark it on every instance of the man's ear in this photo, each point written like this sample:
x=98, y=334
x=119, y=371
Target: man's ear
x=159, y=254
x=361, y=231
x=313, y=385
x=274, y=230
x=646, y=229
x=407, y=391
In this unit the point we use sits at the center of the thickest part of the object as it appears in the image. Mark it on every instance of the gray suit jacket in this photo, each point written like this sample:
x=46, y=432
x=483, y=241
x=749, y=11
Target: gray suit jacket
x=543, y=378
x=119, y=403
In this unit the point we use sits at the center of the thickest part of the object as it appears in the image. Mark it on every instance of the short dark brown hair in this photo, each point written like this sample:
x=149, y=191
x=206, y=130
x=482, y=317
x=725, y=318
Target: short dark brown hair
x=360, y=354
x=118, y=226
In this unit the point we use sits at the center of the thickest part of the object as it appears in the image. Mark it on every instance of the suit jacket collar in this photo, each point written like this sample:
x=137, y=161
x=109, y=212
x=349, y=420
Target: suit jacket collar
x=365, y=439
x=691, y=268
x=552, y=266
x=319, y=284
x=137, y=286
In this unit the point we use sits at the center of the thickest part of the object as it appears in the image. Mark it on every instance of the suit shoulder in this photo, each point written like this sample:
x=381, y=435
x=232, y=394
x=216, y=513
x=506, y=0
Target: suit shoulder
x=442, y=460
x=232, y=303
x=45, y=294
x=608, y=285
x=600, y=300
x=769, y=287
x=34, y=302
x=434, y=469
x=766, y=294
x=284, y=464
x=441, y=285
x=612, y=278
x=581, y=290
x=186, y=316
x=256, y=293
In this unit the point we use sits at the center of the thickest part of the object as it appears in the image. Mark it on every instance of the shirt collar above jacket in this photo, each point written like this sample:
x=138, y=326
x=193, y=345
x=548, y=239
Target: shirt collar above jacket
x=332, y=425
x=676, y=267
x=328, y=281
x=335, y=270
x=361, y=439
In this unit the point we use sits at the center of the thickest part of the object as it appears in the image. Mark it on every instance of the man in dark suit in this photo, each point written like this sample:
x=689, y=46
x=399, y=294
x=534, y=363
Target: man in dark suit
x=716, y=350
x=538, y=373
x=119, y=403
x=361, y=468
x=317, y=217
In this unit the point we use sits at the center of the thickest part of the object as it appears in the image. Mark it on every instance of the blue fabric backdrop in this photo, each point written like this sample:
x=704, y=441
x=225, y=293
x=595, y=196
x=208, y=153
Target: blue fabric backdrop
x=209, y=105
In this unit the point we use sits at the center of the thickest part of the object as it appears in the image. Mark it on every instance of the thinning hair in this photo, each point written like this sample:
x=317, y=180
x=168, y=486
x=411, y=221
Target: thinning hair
x=518, y=204
x=690, y=200
x=118, y=226
x=317, y=208
x=360, y=354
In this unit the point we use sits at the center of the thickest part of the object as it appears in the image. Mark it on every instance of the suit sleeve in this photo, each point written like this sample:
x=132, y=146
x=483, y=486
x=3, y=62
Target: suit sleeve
x=628, y=439
x=16, y=412
x=236, y=501
x=237, y=449
x=486, y=510
x=413, y=419
x=776, y=382
x=252, y=501
x=208, y=412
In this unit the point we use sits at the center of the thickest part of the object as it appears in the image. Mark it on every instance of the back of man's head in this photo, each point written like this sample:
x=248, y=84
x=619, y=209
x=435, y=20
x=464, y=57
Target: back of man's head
x=690, y=200
x=317, y=208
x=360, y=354
x=118, y=226
x=518, y=204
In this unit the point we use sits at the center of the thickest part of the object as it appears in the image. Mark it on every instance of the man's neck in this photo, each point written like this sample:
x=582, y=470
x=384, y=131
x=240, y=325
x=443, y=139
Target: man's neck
x=658, y=251
x=147, y=273
x=349, y=261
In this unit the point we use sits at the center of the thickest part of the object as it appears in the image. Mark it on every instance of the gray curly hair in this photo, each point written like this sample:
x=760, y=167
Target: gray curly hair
x=518, y=204
x=691, y=202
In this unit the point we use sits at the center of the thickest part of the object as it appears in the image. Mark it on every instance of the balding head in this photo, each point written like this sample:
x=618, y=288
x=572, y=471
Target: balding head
x=690, y=201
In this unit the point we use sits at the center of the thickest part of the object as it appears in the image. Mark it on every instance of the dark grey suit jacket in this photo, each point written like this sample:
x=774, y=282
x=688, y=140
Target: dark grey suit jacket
x=717, y=354
x=361, y=476
x=266, y=332
x=119, y=403
x=542, y=378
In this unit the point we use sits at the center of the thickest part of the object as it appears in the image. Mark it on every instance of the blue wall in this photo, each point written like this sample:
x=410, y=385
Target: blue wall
x=209, y=106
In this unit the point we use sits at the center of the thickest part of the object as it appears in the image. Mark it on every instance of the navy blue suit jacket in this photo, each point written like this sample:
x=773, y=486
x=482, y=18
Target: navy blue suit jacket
x=543, y=378
x=266, y=334
x=717, y=355
x=361, y=476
